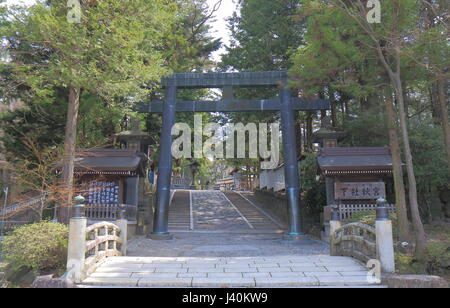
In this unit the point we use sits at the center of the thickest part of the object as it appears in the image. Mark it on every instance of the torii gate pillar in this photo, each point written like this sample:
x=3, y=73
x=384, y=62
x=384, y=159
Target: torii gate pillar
x=291, y=174
x=161, y=215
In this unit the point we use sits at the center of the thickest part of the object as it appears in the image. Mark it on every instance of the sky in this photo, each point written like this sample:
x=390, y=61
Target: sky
x=219, y=26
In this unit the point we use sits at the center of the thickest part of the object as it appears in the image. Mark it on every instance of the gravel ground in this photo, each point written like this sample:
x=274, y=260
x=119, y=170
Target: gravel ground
x=225, y=245
x=221, y=231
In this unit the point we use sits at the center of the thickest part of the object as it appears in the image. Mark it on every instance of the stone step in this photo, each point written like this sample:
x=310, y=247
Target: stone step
x=83, y=286
x=232, y=282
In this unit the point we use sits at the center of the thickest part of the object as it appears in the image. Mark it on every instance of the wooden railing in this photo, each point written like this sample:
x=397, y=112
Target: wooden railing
x=103, y=241
x=102, y=211
x=354, y=240
x=109, y=212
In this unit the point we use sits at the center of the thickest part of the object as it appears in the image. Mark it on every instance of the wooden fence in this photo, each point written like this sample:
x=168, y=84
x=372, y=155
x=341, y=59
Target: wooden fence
x=346, y=210
x=272, y=179
x=109, y=212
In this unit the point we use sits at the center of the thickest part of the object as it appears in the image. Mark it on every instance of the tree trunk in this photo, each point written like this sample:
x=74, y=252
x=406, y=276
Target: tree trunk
x=434, y=105
x=400, y=196
x=298, y=133
x=333, y=111
x=69, y=155
x=309, y=131
x=443, y=111
x=412, y=184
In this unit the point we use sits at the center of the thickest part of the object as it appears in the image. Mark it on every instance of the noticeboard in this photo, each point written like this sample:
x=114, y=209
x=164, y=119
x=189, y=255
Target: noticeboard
x=359, y=190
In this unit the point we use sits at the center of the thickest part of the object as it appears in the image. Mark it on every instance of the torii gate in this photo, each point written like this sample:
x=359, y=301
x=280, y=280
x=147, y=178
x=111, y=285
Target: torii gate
x=285, y=103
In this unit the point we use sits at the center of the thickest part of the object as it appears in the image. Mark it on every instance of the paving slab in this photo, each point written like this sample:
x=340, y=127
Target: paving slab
x=165, y=282
x=265, y=265
x=256, y=275
x=322, y=274
x=347, y=281
x=104, y=269
x=154, y=275
x=111, y=281
x=124, y=265
x=110, y=275
x=361, y=273
x=286, y=282
x=224, y=275
x=287, y=274
x=345, y=268
x=308, y=269
x=192, y=275
x=240, y=269
x=274, y=269
x=297, y=264
x=223, y=282
x=204, y=270
x=170, y=270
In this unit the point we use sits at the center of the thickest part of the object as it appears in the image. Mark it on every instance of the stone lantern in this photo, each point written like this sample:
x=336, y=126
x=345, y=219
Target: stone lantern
x=135, y=139
x=327, y=136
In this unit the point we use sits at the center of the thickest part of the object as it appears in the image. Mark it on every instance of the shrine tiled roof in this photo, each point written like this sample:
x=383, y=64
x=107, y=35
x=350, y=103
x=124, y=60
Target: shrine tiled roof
x=355, y=160
x=109, y=161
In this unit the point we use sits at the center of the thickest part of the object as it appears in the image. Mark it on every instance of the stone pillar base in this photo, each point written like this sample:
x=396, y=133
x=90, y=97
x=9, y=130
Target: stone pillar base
x=160, y=237
x=294, y=237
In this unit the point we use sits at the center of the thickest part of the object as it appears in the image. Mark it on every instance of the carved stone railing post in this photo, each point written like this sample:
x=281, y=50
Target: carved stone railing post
x=77, y=242
x=335, y=223
x=122, y=223
x=385, y=242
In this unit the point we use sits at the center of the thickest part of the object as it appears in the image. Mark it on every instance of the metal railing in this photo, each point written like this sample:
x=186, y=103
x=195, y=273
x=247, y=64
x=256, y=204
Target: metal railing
x=23, y=204
x=9, y=225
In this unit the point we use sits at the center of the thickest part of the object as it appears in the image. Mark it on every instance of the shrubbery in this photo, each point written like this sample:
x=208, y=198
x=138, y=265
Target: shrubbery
x=438, y=248
x=369, y=218
x=40, y=247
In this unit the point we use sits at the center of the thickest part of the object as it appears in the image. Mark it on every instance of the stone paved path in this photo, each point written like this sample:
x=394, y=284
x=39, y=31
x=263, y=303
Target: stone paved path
x=280, y=271
x=227, y=250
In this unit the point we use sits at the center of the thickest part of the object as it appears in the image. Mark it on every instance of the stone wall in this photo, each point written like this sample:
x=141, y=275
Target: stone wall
x=276, y=205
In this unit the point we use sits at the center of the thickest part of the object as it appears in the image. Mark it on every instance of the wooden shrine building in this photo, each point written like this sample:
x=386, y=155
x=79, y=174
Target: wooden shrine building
x=355, y=177
x=108, y=179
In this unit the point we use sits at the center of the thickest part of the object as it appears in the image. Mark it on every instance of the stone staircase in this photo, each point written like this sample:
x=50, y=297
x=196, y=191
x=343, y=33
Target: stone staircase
x=179, y=212
x=237, y=272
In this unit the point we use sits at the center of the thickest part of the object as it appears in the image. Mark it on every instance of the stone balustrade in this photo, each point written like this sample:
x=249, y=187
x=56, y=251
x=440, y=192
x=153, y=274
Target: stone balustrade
x=90, y=245
x=364, y=242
